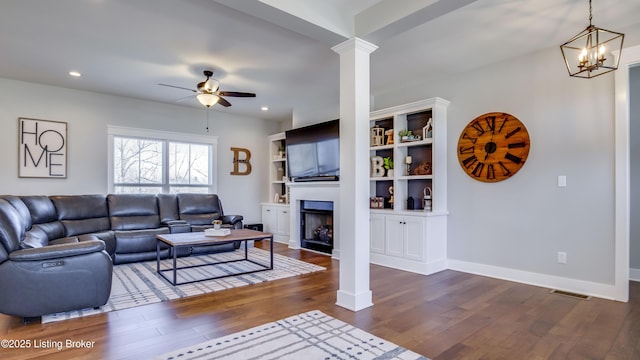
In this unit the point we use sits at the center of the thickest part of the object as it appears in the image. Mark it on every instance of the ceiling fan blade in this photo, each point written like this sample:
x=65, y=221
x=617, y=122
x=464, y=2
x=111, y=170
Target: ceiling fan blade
x=222, y=101
x=236, y=94
x=185, y=98
x=178, y=87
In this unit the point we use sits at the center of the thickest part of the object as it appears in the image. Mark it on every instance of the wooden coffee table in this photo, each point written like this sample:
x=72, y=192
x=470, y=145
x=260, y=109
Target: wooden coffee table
x=179, y=240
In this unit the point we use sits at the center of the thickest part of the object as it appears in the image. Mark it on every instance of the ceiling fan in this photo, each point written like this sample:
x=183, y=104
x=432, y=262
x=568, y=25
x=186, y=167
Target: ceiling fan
x=209, y=93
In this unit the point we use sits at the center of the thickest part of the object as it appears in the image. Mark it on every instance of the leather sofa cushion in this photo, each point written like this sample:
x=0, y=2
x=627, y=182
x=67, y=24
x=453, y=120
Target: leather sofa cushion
x=11, y=229
x=138, y=240
x=21, y=208
x=81, y=214
x=53, y=229
x=73, y=207
x=41, y=208
x=78, y=227
x=34, y=238
x=133, y=211
x=168, y=205
x=199, y=209
x=44, y=215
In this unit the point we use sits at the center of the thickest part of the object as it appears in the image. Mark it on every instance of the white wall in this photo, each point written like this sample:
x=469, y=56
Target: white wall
x=520, y=224
x=88, y=115
x=634, y=145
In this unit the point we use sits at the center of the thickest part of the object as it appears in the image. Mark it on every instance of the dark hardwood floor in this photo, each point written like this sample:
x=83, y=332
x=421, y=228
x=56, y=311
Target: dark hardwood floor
x=448, y=315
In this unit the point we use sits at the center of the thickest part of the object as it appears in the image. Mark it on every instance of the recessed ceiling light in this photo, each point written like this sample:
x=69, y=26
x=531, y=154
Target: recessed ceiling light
x=264, y=108
x=75, y=73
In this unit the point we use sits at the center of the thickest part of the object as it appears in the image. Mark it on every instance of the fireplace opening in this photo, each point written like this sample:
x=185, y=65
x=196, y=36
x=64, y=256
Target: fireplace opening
x=316, y=225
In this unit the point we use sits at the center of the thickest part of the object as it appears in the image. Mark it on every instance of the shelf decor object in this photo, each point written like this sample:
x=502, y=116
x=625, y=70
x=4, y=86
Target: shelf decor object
x=377, y=166
x=377, y=136
x=408, y=160
x=590, y=53
x=426, y=199
x=427, y=130
x=389, y=134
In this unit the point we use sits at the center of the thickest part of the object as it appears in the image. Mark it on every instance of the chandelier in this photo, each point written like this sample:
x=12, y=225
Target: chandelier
x=590, y=53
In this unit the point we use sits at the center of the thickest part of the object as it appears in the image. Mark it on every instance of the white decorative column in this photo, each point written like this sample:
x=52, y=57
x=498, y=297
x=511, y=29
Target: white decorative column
x=354, y=292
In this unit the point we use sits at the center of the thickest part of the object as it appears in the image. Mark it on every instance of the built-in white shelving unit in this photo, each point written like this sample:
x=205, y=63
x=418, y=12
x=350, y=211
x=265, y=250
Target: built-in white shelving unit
x=275, y=212
x=403, y=234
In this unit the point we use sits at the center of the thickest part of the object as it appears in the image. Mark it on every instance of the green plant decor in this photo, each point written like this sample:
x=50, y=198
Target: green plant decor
x=405, y=132
x=388, y=163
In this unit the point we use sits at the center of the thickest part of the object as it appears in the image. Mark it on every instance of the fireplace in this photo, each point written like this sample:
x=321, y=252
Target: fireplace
x=316, y=225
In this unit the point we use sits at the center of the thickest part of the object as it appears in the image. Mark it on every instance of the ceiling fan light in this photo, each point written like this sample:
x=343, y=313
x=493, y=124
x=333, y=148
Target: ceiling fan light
x=211, y=85
x=208, y=100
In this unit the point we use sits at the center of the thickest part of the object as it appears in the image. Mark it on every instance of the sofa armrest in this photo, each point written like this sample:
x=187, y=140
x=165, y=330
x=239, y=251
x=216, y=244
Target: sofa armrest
x=177, y=226
x=175, y=222
x=58, y=251
x=231, y=219
x=235, y=220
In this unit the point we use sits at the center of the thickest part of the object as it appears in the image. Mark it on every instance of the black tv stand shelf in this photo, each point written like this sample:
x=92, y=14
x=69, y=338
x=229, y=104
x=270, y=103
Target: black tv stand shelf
x=316, y=178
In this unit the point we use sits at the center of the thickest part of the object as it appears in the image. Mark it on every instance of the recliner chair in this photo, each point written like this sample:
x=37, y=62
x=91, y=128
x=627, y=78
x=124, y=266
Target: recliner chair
x=38, y=278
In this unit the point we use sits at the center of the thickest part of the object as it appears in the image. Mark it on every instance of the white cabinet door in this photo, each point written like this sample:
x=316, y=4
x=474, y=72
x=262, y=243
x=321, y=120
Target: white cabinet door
x=394, y=235
x=377, y=233
x=414, y=238
x=282, y=221
x=269, y=219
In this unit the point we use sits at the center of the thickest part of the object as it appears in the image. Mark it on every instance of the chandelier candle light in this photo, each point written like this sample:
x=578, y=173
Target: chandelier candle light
x=589, y=53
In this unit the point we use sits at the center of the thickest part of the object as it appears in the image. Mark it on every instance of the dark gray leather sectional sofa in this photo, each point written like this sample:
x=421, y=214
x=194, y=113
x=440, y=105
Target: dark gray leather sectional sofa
x=57, y=252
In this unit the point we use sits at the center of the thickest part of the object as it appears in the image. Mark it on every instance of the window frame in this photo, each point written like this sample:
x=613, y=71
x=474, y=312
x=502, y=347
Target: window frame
x=165, y=137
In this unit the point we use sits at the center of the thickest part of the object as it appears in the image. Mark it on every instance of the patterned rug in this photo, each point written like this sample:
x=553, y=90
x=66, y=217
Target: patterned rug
x=138, y=284
x=309, y=336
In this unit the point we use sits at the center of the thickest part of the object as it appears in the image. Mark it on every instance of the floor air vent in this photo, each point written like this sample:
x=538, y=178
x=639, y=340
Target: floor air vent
x=570, y=294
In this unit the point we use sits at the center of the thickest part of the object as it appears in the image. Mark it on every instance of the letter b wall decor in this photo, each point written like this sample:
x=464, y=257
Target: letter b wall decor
x=237, y=161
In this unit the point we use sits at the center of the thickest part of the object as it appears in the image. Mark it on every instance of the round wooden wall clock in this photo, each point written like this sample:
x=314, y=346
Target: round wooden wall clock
x=493, y=147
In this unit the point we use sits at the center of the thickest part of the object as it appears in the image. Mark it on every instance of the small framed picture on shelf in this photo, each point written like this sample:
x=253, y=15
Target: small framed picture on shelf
x=376, y=202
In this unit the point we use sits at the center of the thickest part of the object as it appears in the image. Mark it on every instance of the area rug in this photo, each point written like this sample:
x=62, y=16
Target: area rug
x=309, y=336
x=138, y=284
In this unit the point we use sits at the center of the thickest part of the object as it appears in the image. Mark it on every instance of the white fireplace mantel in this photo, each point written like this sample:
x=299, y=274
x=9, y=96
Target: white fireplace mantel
x=318, y=191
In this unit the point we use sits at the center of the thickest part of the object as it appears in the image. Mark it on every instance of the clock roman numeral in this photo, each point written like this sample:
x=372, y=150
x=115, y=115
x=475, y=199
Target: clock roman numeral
x=490, y=172
x=513, y=158
x=505, y=171
x=466, y=150
x=468, y=162
x=491, y=123
x=477, y=171
x=476, y=125
x=512, y=132
x=503, y=122
x=517, y=145
x=467, y=137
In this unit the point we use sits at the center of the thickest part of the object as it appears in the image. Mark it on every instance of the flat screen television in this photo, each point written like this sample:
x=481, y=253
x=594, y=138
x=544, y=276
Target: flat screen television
x=313, y=152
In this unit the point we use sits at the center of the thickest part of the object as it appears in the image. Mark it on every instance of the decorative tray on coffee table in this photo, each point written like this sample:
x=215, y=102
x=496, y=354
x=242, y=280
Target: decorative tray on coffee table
x=217, y=232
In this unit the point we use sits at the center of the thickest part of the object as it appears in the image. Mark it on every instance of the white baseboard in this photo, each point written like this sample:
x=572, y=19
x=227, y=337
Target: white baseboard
x=282, y=239
x=634, y=274
x=418, y=267
x=605, y=291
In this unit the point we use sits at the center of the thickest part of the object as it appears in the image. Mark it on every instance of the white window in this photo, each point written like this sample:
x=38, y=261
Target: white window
x=148, y=161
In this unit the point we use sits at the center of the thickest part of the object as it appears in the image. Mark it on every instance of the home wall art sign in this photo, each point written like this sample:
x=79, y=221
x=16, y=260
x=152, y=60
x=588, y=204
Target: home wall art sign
x=42, y=148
